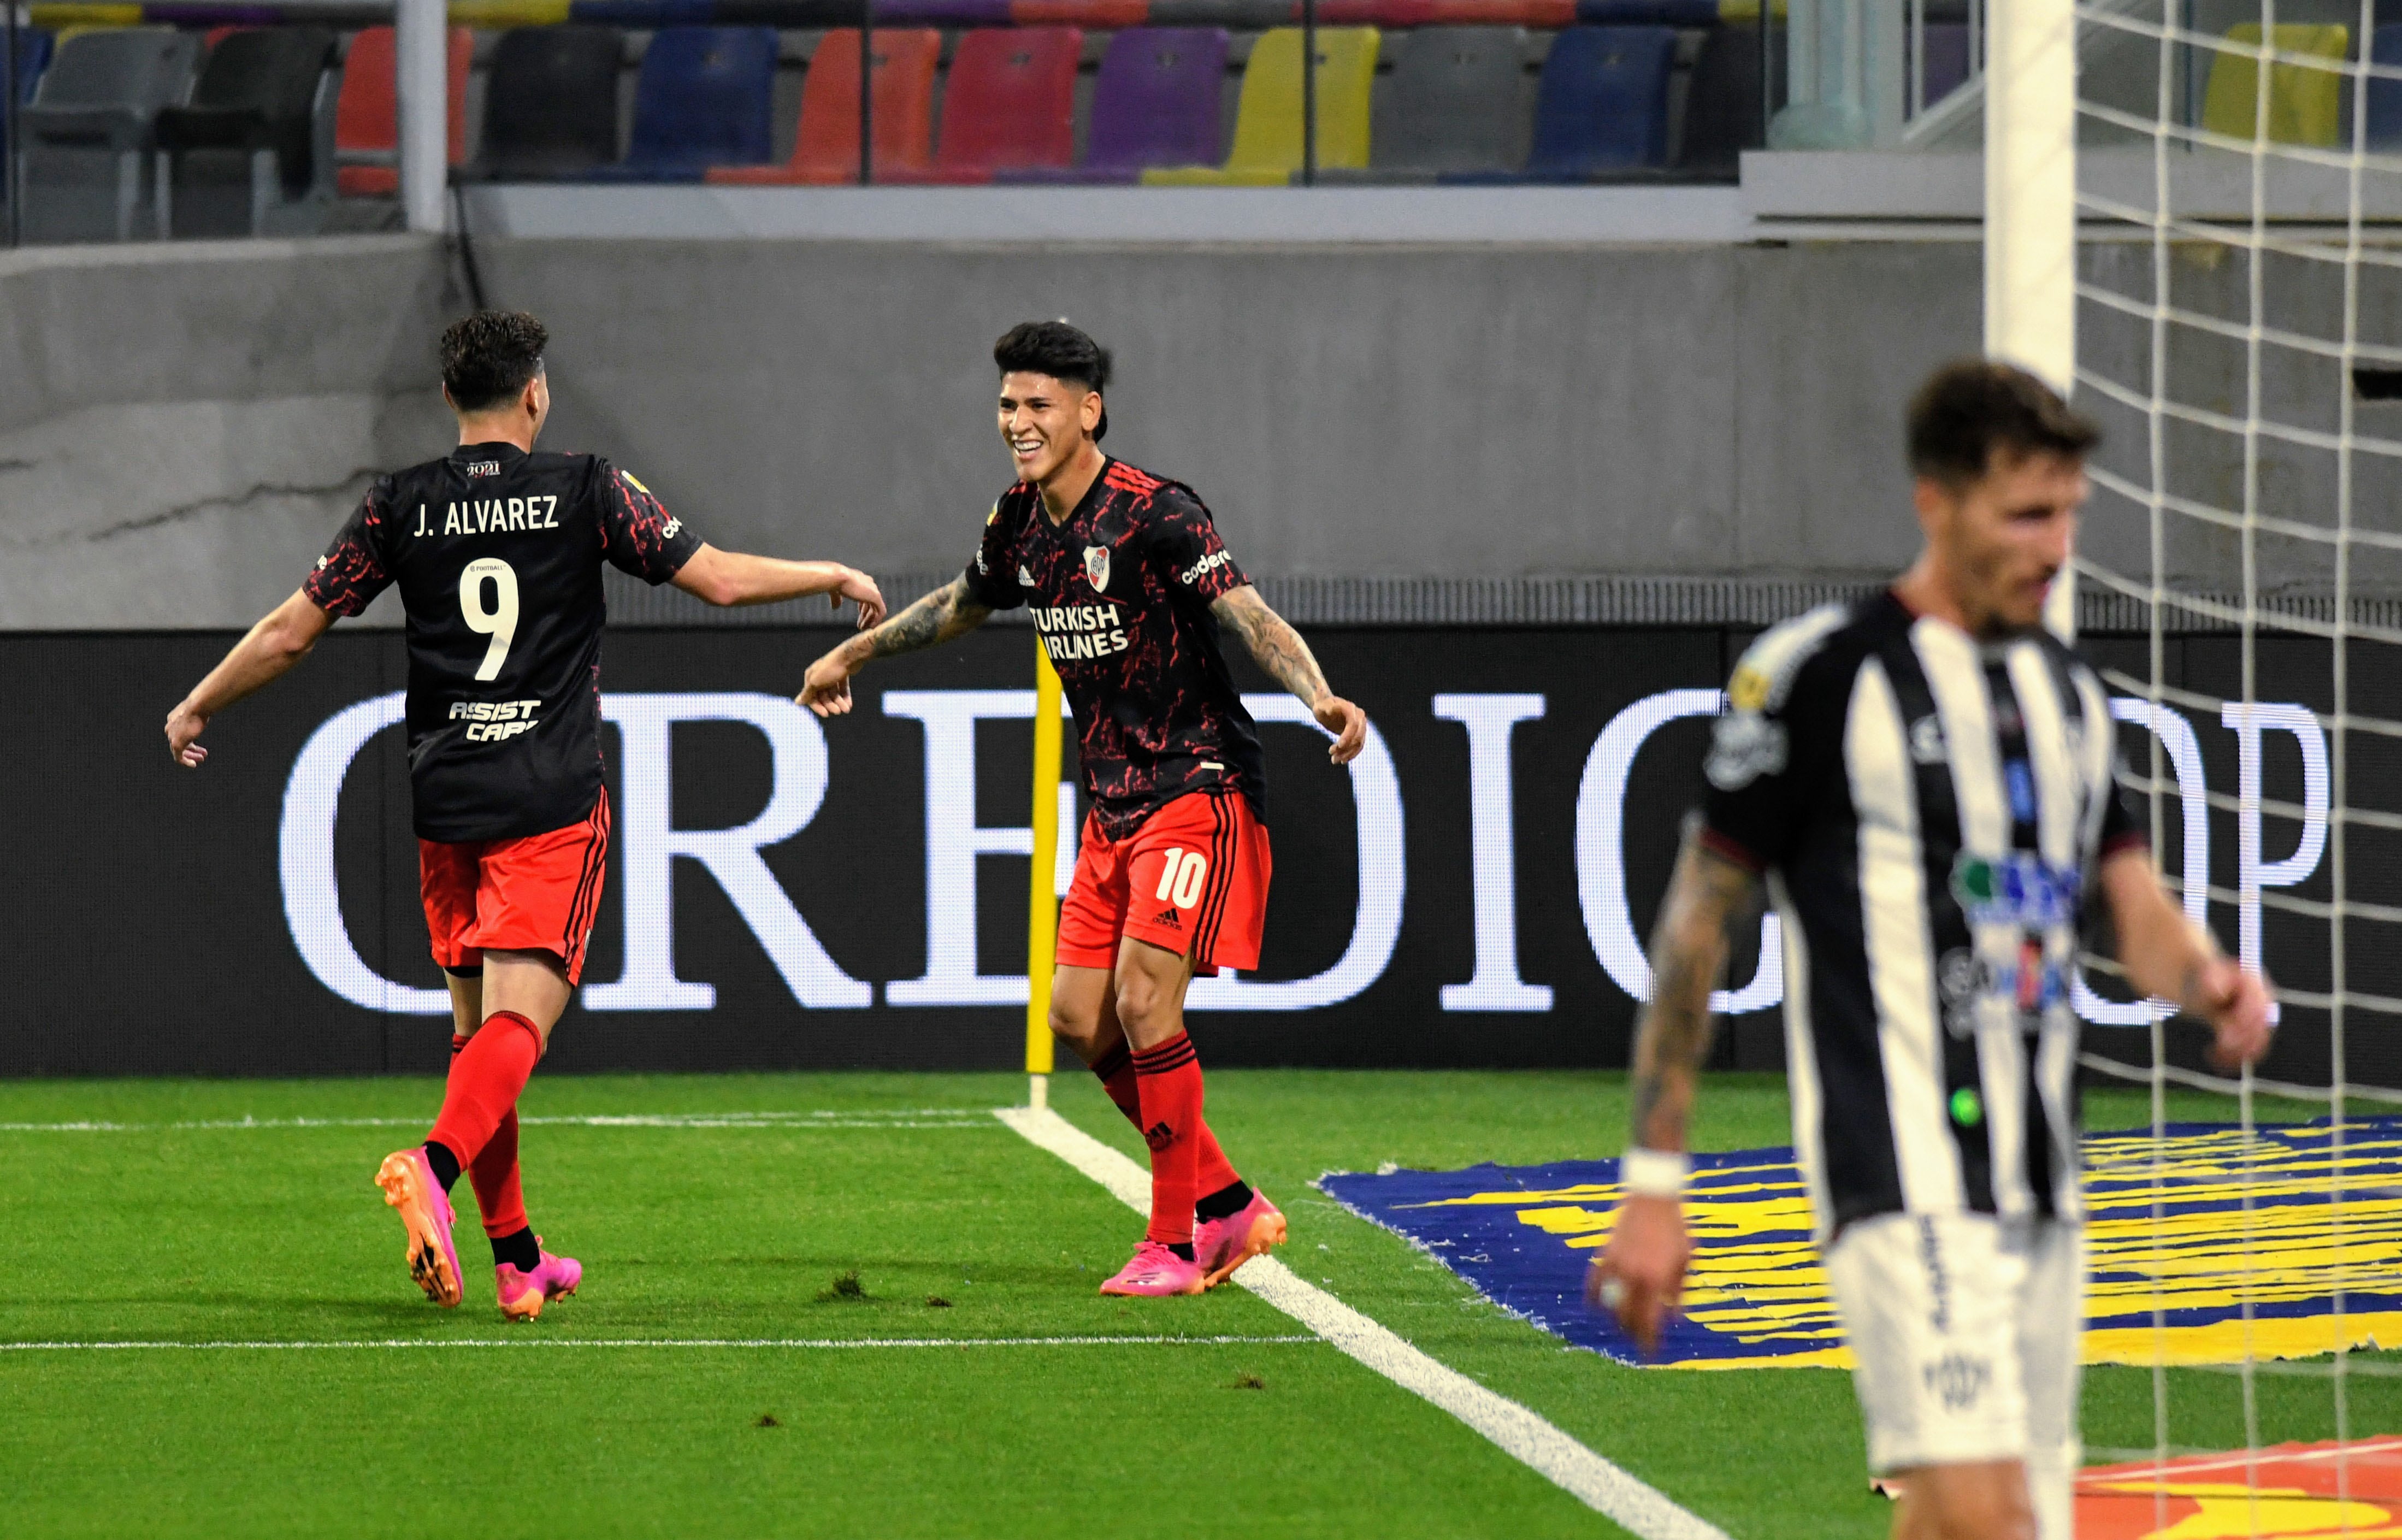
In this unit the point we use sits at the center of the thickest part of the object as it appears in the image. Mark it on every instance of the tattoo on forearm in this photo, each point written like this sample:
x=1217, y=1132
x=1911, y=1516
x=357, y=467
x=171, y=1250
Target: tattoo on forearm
x=938, y=617
x=1706, y=897
x=1274, y=644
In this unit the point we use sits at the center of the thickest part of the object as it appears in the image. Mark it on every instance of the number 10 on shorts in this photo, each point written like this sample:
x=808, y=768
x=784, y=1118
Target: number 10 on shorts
x=1180, y=876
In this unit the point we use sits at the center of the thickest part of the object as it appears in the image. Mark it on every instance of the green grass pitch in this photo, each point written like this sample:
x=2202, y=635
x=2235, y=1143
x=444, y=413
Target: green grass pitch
x=198, y=1234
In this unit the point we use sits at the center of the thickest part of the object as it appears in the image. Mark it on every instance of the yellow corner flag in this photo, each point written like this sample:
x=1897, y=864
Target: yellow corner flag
x=1041, y=903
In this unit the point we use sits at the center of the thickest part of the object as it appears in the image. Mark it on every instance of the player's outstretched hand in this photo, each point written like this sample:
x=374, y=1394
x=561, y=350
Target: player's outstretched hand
x=183, y=727
x=861, y=590
x=1641, y=1277
x=826, y=688
x=1348, y=723
x=2236, y=1003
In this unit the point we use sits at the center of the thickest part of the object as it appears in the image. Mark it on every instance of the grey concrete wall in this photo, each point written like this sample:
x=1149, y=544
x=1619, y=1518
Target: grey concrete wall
x=182, y=428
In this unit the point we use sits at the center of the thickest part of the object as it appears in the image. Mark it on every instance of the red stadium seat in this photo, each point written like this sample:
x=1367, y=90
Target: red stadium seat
x=1502, y=13
x=1098, y=15
x=1388, y=14
x=826, y=150
x=367, y=117
x=1011, y=103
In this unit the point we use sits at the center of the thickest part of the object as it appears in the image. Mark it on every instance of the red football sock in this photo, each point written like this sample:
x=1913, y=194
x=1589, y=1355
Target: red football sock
x=1167, y=1084
x=498, y=1190
x=485, y=1080
x=1115, y=1069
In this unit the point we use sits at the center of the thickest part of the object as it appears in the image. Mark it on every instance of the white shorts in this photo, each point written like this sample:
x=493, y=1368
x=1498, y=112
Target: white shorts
x=1965, y=1328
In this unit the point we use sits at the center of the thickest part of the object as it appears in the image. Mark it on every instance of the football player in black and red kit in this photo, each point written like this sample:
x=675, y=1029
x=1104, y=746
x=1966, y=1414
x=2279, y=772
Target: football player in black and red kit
x=497, y=550
x=1130, y=586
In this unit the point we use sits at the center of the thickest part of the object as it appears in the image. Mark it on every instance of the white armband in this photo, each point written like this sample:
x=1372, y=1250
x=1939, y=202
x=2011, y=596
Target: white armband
x=1653, y=1173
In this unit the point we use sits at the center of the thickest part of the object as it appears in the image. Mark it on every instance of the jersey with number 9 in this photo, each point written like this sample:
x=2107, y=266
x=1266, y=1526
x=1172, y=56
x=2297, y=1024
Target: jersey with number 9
x=497, y=553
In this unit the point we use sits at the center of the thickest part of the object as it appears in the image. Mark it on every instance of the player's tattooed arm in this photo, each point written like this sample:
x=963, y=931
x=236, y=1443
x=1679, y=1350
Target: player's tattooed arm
x=1641, y=1276
x=943, y=616
x=1284, y=657
x=1708, y=896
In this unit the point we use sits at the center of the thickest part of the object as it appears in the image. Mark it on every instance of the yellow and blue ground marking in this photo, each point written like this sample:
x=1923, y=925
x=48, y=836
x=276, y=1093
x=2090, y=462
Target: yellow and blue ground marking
x=2206, y=1244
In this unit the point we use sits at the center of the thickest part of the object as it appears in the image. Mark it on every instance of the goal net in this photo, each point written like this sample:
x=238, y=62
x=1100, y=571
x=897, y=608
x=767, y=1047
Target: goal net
x=2239, y=316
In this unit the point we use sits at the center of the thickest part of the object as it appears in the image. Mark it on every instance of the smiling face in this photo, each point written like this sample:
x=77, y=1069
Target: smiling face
x=1046, y=422
x=1999, y=541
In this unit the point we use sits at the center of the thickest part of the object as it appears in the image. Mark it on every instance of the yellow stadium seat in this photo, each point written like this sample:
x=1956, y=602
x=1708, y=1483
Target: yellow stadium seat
x=1267, y=121
x=2305, y=99
x=67, y=19
x=496, y=15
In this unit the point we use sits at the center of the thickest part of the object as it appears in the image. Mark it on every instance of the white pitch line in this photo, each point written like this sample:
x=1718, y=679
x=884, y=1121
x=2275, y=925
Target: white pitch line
x=909, y=1117
x=1524, y=1435
x=810, y=1343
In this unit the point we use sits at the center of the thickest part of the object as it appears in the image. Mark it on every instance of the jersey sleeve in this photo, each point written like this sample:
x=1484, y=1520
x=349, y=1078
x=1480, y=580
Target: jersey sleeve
x=2121, y=829
x=1759, y=787
x=637, y=535
x=991, y=574
x=1184, y=540
x=353, y=571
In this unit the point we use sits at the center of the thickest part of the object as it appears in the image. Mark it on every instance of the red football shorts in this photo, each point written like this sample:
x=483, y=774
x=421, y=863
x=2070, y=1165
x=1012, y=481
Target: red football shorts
x=534, y=894
x=1193, y=879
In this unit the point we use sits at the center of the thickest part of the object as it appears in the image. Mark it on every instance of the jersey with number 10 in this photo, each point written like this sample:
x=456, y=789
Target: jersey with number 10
x=498, y=556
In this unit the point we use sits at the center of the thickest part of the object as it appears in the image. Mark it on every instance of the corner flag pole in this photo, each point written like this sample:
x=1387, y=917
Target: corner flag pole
x=1041, y=903
x=2031, y=208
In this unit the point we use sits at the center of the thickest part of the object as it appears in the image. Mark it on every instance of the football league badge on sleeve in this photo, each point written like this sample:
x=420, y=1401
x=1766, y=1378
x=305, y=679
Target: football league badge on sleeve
x=1096, y=567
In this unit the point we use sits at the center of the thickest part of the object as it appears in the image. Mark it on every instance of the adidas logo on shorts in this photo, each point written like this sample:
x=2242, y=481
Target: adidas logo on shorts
x=1168, y=916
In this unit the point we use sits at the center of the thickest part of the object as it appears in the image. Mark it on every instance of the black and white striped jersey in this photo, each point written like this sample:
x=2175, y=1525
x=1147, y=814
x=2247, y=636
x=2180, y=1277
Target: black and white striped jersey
x=1929, y=812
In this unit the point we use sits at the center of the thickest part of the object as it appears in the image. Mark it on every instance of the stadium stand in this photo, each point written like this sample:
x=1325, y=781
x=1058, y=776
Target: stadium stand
x=1646, y=13
x=2305, y=99
x=91, y=127
x=1603, y=106
x=1156, y=101
x=2384, y=126
x=1095, y=15
x=33, y=54
x=825, y=146
x=706, y=97
x=551, y=102
x=1010, y=104
x=1268, y=146
x=367, y=116
x=1456, y=105
x=257, y=133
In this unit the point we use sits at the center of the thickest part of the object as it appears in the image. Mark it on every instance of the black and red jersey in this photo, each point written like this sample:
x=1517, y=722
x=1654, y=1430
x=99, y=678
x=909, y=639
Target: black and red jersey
x=498, y=556
x=1121, y=592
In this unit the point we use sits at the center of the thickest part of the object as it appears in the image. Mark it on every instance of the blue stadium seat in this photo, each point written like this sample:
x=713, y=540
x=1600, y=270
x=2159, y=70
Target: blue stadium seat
x=33, y=56
x=1603, y=103
x=706, y=97
x=1648, y=13
x=2385, y=95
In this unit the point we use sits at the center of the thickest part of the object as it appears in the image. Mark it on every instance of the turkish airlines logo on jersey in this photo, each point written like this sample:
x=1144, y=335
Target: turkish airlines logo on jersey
x=1096, y=566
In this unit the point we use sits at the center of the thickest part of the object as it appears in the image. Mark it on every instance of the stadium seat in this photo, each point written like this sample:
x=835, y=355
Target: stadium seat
x=706, y=97
x=1456, y=104
x=1648, y=13
x=942, y=13
x=2305, y=101
x=1946, y=44
x=1548, y=15
x=367, y=117
x=1603, y=103
x=825, y=148
x=1098, y=15
x=646, y=14
x=551, y=102
x=1010, y=104
x=1157, y=101
x=1233, y=15
x=1392, y=14
x=2385, y=128
x=1723, y=99
x=250, y=138
x=33, y=54
x=90, y=129
x=1268, y=119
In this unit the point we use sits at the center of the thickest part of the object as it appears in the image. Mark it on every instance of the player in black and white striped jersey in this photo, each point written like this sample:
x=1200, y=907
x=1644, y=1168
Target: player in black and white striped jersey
x=1923, y=784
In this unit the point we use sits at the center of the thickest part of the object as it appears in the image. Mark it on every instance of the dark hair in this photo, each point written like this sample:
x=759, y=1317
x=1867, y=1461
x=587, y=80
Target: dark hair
x=1056, y=349
x=1972, y=406
x=488, y=357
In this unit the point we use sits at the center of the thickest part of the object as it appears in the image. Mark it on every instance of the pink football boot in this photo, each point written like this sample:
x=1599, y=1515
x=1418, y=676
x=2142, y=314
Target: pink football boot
x=524, y=1294
x=1221, y=1245
x=1155, y=1271
x=408, y=1185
